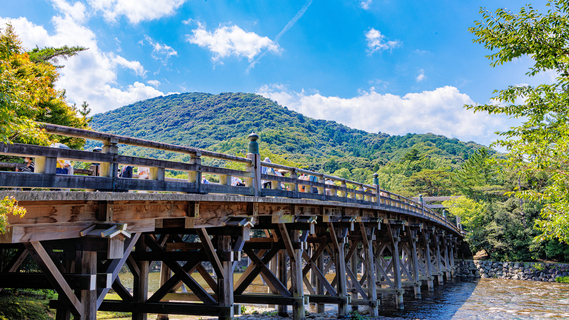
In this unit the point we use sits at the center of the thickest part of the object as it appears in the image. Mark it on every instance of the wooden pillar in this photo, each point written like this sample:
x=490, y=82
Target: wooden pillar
x=225, y=285
x=427, y=238
x=451, y=257
x=396, y=270
x=164, y=276
x=342, y=281
x=273, y=267
x=140, y=281
x=319, y=285
x=447, y=265
x=89, y=297
x=297, y=288
x=438, y=260
x=282, y=268
x=354, y=267
x=369, y=259
x=415, y=262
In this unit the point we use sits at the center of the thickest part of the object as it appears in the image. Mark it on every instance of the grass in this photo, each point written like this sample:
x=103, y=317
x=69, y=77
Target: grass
x=24, y=307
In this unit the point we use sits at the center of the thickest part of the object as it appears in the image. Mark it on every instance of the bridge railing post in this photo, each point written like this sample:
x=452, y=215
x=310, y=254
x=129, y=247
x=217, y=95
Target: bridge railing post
x=255, y=166
x=196, y=176
x=377, y=189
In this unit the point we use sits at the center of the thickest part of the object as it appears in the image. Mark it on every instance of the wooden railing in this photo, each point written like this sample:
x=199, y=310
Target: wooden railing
x=285, y=182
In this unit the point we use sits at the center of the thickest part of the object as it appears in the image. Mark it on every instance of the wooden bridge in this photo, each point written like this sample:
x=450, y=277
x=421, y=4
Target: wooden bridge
x=371, y=242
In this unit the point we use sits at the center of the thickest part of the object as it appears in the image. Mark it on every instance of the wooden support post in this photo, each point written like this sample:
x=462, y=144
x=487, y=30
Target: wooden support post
x=413, y=246
x=370, y=267
x=451, y=257
x=427, y=238
x=273, y=268
x=354, y=267
x=438, y=261
x=320, y=285
x=447, y=265
x=394, y=233
x=89, y=297
x=283, y=312
x=140, y=281
x=164, y=277
x=297, y=289
x=225, y=283
x=340, y=263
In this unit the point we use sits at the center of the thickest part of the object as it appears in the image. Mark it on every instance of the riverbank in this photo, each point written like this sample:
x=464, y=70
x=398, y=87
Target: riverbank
x=529, y=271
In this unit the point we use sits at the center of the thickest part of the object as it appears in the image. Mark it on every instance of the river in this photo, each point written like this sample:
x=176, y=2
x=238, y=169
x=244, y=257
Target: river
x=485, y=299
x=460, y=299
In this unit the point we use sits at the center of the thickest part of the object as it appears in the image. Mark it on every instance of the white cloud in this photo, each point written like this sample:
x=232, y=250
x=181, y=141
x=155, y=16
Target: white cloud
x=365, y=4
x=160, y=52
x=133, y=65
x=439, y=111
x=91, y=75
x=154, y=83
x=377, y=42
x=136, y=10
x=226, y=41
x=76, y=11
x=421, y=76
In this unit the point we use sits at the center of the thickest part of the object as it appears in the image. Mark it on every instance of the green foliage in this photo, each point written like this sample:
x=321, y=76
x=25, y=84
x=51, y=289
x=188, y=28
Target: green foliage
x=562, y=279
x=24, y=308
x=9, y=206
x=28, y=95
x=470, y=211
x=539, y=266
x=540, y=143
x=52, y=55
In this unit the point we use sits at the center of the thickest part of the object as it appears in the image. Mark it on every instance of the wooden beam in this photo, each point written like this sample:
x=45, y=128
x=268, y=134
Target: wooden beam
x=55, y=277
x=287, y=242
x=210, y=251
x=270, y=277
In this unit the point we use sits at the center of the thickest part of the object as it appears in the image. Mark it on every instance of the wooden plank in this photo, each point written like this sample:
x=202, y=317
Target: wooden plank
x=55, y=277
x=210, y=251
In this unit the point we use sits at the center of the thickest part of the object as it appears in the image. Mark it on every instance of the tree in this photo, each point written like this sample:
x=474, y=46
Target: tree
x=28, y=96
x=541, y=142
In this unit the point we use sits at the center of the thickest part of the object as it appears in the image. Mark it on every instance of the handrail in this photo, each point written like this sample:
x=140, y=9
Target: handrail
x=108, y=180
x=108, y=137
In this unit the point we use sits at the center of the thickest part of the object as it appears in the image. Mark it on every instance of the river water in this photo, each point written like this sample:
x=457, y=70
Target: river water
x=459, y=299
x=485, y=299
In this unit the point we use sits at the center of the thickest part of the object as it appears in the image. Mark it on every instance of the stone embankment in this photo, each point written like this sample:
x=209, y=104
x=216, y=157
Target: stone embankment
x=532, y=271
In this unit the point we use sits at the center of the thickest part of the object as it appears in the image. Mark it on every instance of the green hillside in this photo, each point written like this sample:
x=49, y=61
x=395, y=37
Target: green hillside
x=222, y=122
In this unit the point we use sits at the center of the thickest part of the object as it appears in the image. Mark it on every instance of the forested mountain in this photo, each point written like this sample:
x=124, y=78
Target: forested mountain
x=222, y=122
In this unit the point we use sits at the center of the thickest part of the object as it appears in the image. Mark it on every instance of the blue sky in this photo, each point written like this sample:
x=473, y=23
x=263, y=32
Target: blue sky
x=376, y=65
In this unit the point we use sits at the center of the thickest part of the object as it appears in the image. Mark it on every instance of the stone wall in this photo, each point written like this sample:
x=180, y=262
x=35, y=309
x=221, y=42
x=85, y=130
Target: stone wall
x=532, y=271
